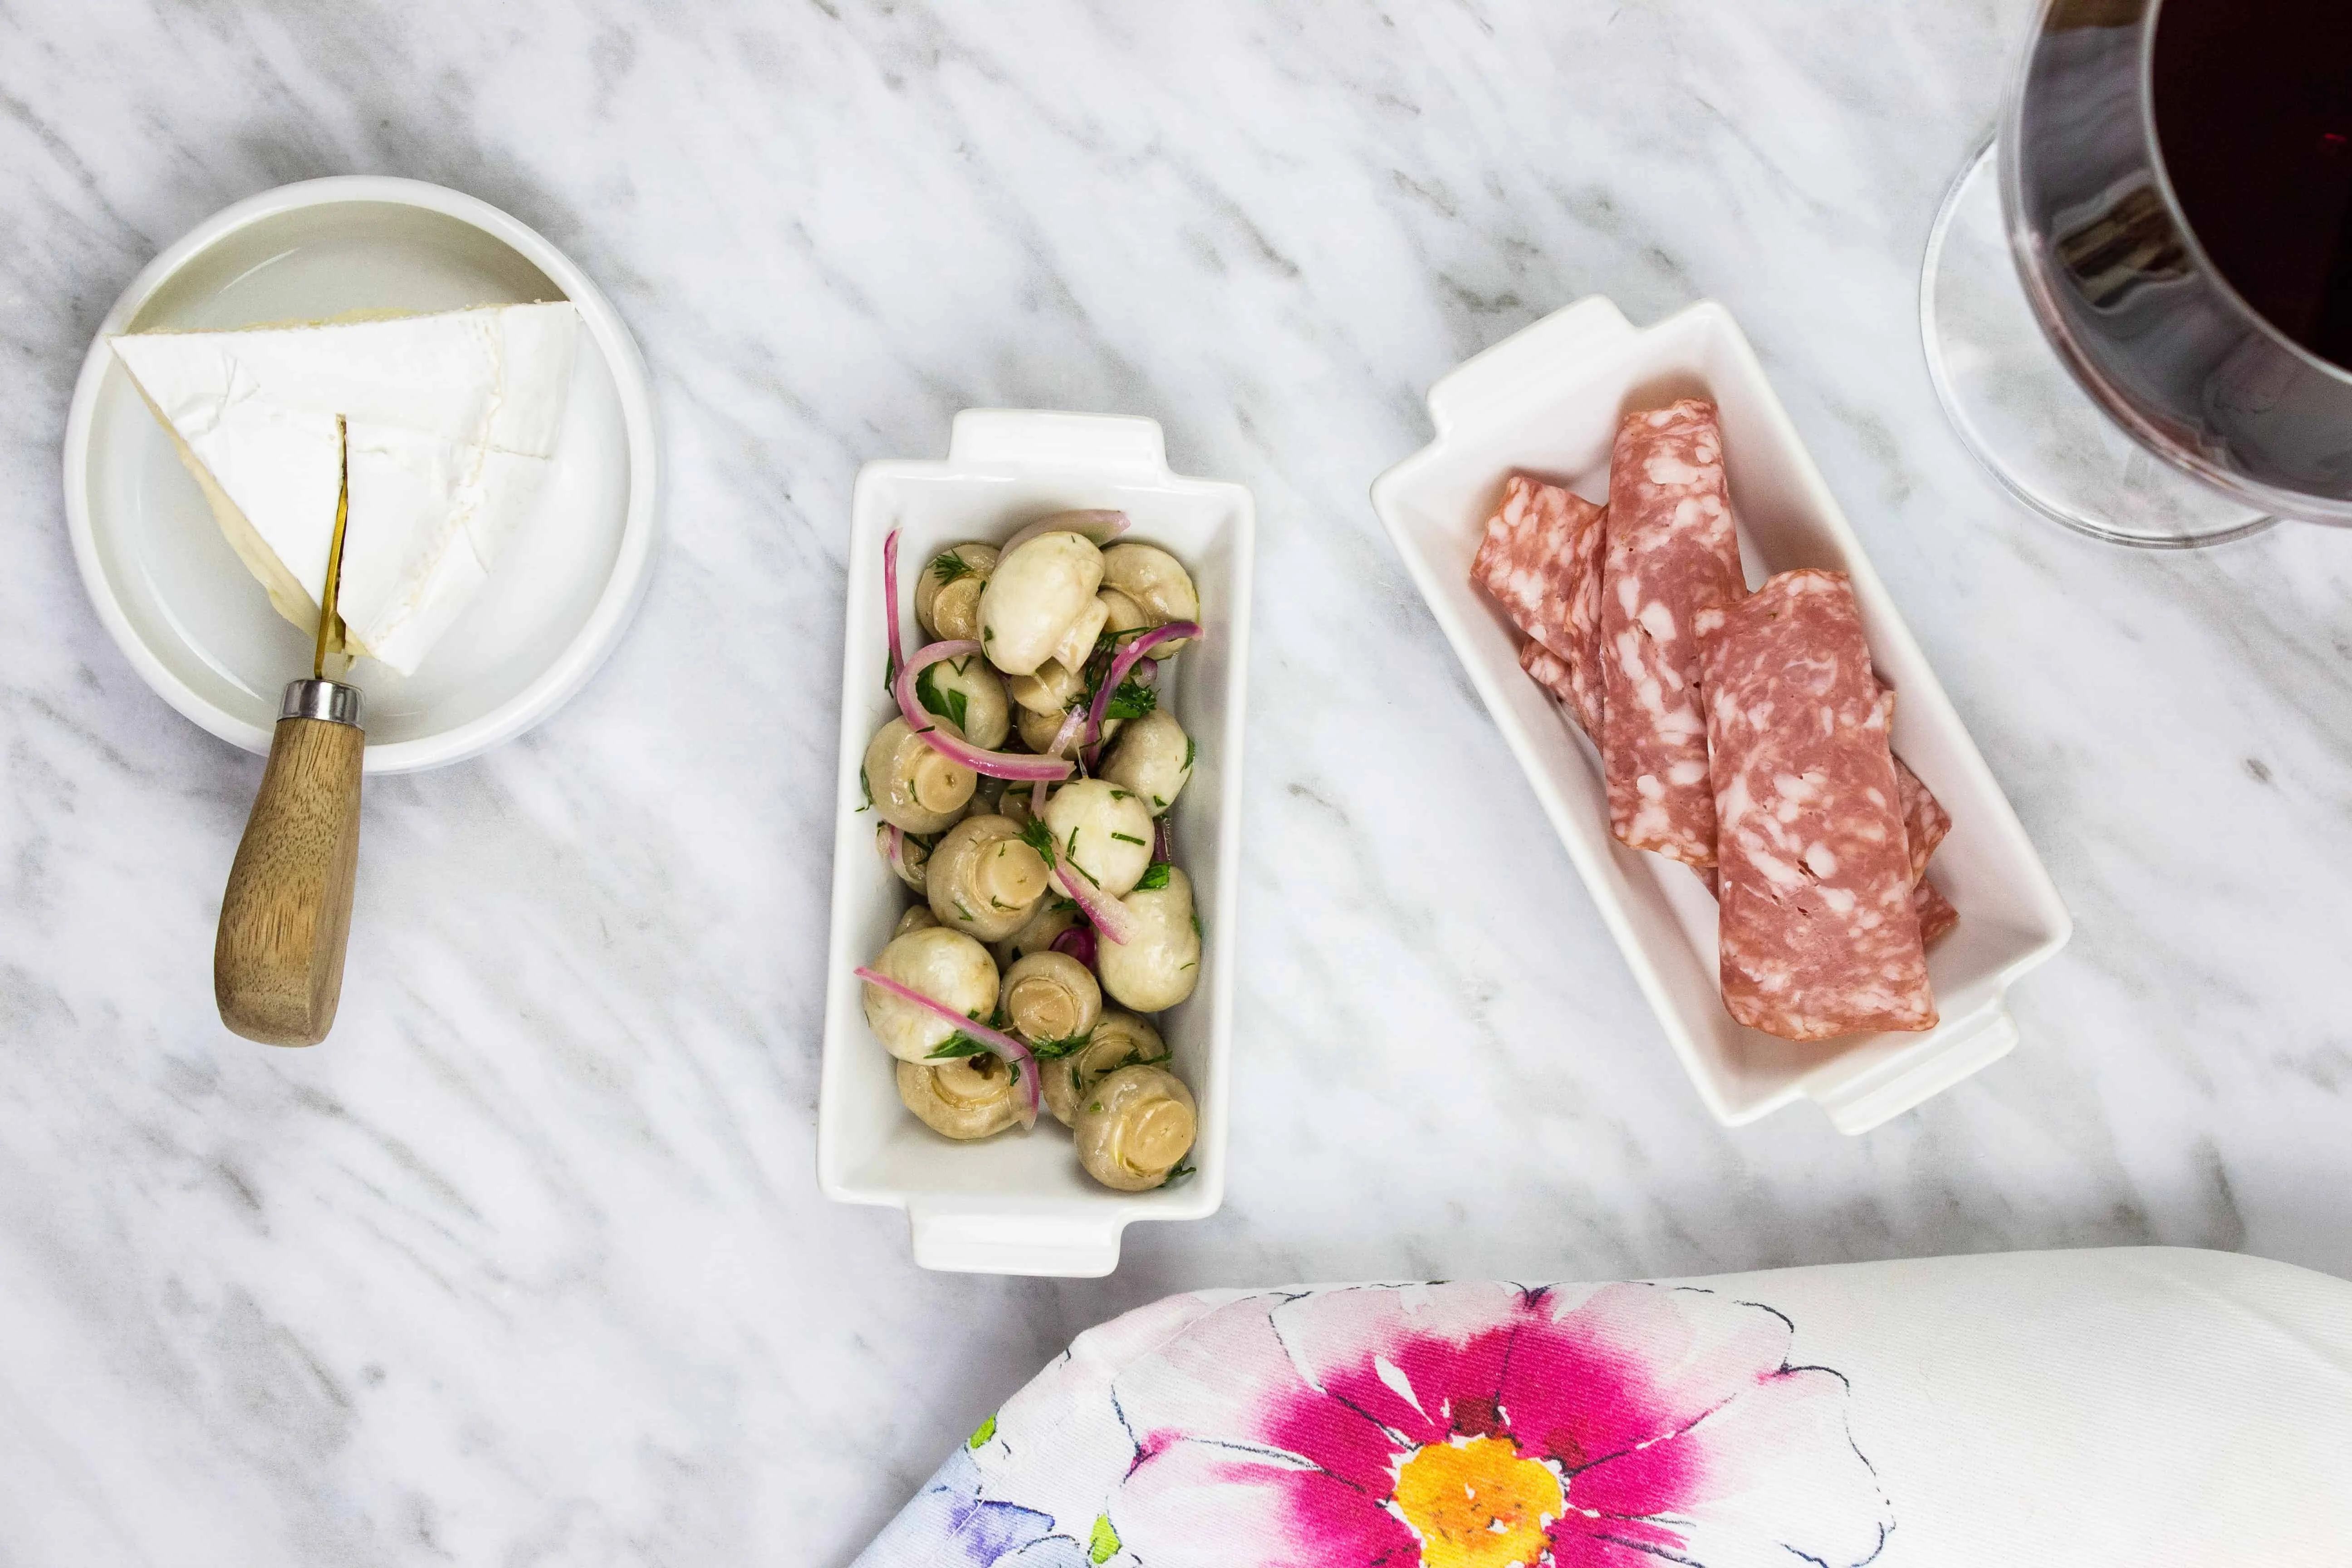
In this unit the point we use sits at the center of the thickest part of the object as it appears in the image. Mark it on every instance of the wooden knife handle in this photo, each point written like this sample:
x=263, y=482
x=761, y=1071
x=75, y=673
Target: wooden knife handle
x=286, y=919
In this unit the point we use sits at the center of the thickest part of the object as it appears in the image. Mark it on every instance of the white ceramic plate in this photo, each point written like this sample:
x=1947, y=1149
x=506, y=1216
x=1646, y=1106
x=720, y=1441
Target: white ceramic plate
x=1548, y=400
x=1018, y=1203
x=195, y=623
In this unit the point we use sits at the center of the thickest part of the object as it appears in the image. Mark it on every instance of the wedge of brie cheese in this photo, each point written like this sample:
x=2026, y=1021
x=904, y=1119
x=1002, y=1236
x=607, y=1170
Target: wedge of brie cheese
x=453, y=421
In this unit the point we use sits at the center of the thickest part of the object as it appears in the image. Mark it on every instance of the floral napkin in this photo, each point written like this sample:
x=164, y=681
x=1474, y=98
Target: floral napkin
x=1949, y=1410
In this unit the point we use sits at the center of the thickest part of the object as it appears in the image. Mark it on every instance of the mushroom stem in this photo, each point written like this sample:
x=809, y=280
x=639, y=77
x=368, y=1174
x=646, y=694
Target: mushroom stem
x=1003, y=1045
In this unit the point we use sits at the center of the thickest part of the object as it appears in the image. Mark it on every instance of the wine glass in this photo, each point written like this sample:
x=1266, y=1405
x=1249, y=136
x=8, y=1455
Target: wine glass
x=2088, y=299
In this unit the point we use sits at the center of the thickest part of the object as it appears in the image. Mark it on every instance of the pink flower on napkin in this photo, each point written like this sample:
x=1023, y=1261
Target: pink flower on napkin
x=1487, y=1425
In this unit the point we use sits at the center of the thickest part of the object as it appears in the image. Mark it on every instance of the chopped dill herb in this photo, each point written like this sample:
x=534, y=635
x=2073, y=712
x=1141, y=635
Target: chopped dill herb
x=947, y=567
x=1129, y=839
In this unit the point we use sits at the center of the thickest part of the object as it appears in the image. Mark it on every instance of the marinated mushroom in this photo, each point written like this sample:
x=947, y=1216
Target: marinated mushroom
x=1157, y=583
x=1052, y=917
x=1154, y=759
x=1052, y=688
x=1037, y=729
x=1077, y=644
x=1034, y=594
x=970, y=1097
x=1119, y=1040
x=1160, y=962
x=969, y=695
x=1102, y=834
x=1012, y=800
x=903, y=852
x=1050, y=997
x=913, y=786
x=946, y=965
x=919, y=917
x=947, y=594
x=1133, y=1127
x=983, y=878
x=1122, y=615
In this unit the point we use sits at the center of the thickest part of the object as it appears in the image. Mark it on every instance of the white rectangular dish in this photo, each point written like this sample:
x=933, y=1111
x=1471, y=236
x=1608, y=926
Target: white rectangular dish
x=1019, y=1203
x=1548, y=401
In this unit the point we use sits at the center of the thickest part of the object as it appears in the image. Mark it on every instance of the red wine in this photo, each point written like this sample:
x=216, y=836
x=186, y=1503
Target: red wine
x=2254, y=121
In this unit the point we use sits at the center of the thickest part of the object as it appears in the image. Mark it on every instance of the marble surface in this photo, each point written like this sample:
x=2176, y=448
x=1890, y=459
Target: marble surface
x=528, y=1265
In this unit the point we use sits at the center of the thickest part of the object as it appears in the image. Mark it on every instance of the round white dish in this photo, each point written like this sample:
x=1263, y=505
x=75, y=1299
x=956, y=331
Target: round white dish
x=197, y=626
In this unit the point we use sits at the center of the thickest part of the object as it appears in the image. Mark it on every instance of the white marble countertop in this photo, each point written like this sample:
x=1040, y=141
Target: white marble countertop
x=529, y=1264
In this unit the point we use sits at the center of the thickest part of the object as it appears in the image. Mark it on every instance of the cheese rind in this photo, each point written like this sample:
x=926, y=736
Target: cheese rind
x=452, y=421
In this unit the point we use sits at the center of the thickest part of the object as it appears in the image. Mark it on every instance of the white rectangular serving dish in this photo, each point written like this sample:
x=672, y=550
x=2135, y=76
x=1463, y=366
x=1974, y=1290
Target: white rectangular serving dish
x=1547, y=400
x=1019, y=1203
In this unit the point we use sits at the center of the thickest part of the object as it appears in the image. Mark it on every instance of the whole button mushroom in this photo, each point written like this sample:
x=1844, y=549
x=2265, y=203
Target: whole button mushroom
x=1077, y=644
x=917, y=917
x=970, y=1097
x=1102, y=833
x=1133, y=1127
x=1160, y=962
x=1154, y=759
x=1038, y=730
x=947, y=596
x=915, y=787
x=1037, y=589
x=1119, y=1040
x=947, y=966
x=1050, y=997
x=1053, y=687
x=905, y=854
x=1052, y=916
x=1157, y=583
x=971, y=696
x=983, y=878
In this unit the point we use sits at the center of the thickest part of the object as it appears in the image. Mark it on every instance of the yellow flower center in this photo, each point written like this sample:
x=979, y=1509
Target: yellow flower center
x=1477, y=1504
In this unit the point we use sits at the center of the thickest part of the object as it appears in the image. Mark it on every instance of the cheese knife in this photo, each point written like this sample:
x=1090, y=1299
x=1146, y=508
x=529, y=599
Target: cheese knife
x=286, y=919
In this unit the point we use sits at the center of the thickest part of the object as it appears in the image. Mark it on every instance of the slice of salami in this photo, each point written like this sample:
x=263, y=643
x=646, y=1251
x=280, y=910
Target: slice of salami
x=1936, y=916
x=1925, y=820
x=1557, y=676
x=1819, y=935
x=1673, y=553
x=1541, y=559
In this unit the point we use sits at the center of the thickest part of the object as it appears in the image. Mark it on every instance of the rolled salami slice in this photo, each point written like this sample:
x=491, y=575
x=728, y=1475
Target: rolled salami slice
x=1541, y=559
x=1936, y=916
x=1818, y=933
x=1672, y=553
x=1554, y=675
x=1925, y=820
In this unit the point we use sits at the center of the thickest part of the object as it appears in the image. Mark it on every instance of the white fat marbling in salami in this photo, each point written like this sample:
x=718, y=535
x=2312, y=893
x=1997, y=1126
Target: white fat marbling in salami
x=1672, y=553
x=1541, y=559
x=1820, y=934
x=1936, y=916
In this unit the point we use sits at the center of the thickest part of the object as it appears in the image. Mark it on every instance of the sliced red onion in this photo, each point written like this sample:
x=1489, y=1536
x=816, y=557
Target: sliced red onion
x=1071, y=723
x=957, y=750
x=1101, y=525
x=1079, y=942
x=1126, y=660
x=890, y=603
x=1024, y=1066
x=1164, y=841
x=1109, y=915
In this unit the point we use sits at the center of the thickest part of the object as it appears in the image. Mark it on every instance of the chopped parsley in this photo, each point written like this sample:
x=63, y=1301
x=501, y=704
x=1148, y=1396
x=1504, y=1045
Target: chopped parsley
x=1196, y=925
x=1183, y=1170
x=1155, y=877
x=956, y=1045
x=864, y=788
x=1192, y=749
x=951, y=704
x=1053, y=1050
x=1040, y=837
x=1133, y=700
